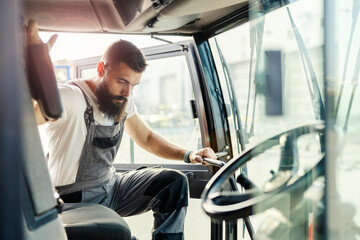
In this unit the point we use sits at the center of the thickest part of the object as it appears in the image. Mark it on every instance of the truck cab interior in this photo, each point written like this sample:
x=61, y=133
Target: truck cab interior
x=269, y=85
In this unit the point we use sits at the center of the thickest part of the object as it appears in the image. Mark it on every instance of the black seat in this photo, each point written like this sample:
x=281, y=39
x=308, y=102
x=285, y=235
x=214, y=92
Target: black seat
x=92, y=221
x=39, y=206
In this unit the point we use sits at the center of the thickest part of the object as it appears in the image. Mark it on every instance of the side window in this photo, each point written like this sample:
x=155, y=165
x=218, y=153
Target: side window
x=88, y=71
x=163, y=100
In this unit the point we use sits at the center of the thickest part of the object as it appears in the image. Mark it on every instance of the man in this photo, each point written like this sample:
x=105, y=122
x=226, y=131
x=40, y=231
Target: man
x=84, y=142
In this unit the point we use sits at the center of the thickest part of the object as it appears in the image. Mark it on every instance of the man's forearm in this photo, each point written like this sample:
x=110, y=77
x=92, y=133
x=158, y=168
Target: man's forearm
x=163, y=148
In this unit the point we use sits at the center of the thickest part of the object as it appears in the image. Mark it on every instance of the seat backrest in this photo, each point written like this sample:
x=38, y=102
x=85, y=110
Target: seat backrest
x=41, y=219
x=84, y=221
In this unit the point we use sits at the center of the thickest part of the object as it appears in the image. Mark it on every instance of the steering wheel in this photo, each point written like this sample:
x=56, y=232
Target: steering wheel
x=226, y=205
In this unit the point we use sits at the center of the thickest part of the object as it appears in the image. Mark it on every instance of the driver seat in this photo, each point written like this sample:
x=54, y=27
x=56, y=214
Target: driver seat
x=93, y=221
x=44, y=217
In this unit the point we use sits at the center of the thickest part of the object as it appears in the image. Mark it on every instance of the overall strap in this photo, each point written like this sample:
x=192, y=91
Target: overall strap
x=89, y=112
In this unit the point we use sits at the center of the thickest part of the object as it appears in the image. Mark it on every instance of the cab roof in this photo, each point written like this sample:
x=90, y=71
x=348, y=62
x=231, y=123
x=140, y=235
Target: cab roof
x=136, y=16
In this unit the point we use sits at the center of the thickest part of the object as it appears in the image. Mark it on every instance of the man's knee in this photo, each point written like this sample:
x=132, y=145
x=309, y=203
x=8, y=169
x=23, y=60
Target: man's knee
x=170, y=188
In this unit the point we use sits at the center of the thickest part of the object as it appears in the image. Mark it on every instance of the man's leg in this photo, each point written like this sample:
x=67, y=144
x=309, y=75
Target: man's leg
x=162, y=190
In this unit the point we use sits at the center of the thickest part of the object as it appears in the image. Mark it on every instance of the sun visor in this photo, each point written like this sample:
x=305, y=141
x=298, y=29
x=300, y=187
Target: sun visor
x=129, y=11
x=165, y=23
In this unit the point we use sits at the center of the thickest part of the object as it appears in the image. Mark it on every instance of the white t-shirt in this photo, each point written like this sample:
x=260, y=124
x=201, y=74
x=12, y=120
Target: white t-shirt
x=67, y=135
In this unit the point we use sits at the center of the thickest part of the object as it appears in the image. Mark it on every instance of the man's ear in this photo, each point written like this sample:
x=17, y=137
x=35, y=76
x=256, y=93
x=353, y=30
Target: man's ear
x=100, y=69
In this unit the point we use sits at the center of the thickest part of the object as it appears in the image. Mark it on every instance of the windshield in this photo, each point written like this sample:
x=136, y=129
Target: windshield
x=249, y=49
x=271, y=75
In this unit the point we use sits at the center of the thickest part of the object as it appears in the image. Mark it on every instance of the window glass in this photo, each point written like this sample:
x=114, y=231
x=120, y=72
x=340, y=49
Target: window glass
x=163, y=101
x=162, y=98
x=343, y=120
x=241, y=54
x=247, y=73
x=87, y=72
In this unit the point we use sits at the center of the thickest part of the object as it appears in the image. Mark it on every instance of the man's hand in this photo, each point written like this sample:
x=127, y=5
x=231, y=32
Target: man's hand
x=196, y=156
x=32, y=35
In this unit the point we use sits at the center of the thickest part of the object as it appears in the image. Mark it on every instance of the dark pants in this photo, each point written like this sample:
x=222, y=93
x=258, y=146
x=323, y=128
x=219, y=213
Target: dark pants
x=164, y=191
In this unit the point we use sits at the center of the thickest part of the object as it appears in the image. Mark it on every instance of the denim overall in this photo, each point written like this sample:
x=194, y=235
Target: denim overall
x=164, y=191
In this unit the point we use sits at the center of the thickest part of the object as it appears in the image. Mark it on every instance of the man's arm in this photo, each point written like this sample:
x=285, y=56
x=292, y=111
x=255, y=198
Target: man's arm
x=149, y=140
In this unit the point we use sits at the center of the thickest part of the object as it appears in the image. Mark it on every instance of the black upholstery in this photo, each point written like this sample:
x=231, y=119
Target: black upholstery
x=93, y=221
x=41, y=220
x=42, y=81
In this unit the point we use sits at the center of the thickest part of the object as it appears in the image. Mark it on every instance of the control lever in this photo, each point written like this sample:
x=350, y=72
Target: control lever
x=221, y=154
x=214, y=162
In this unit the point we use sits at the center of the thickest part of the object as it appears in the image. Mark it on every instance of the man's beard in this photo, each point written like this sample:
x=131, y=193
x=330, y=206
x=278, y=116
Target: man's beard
x=113, y=111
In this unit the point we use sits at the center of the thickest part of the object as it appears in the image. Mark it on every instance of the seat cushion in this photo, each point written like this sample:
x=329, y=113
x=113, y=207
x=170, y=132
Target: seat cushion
x=93, y=222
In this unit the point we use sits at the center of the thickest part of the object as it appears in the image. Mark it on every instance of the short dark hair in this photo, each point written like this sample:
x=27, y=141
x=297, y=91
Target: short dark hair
x=127, y=52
